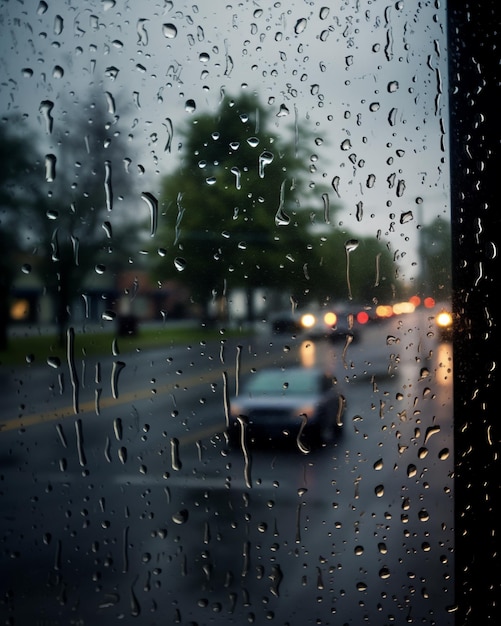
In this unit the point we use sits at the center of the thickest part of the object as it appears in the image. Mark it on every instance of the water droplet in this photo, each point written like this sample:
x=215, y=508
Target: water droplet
x=379, y=491
x=392, y=116
x=281, y=217
x=411, y=470
x=300, y=25
x=384, y=573
x=326, y=201
x=283, y=111
x=180, y=264
x=265, y=158
x=190, y=106
x=80, y=442
x=118, y=428
x=393, y=86
x=152, y=203
x=100, y=268
x=108, y=315
x=45, y=109
x=181, y=517
x=118, y=366
x=122, y=454
x=335, y=185
x=204, y=57
x=351, y=245
x=26, y=268
x=400, y=192
x=253, y=142
x=169, y=31
x=50, y=167
x=443, y=455
x=54, y=361
x=112, y=72
x=107, y=229
x=346, y=144
x=107, y=186
x=236, y=172
x=422, y=453
x=276, y=577
x=174, y=454
x=57, y=72
x=324, y=12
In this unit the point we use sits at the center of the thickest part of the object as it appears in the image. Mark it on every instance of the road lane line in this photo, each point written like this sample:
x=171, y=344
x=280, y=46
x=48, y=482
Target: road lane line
x=125, y=398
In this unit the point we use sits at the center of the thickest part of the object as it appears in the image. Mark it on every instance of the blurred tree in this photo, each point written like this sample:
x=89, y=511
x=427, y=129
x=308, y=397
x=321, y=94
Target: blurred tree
x=235, y=212
x=17, y=177
x=435, y=254
x=358, y=268
x=80, y=230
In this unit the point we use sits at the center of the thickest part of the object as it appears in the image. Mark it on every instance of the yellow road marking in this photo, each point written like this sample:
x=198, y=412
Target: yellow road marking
x=123, y=398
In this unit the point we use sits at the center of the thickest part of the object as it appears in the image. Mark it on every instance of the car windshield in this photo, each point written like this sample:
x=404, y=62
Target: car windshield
x=293, y=382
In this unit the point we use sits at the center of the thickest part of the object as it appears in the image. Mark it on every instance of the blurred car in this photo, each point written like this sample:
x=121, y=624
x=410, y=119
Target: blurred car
x=286, y=321
x=444, y=324
x=294, y=404
x=336, y=323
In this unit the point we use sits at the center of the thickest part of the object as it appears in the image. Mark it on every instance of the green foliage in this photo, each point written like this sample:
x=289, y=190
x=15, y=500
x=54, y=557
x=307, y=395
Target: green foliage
x=234, y=211
x=435, y=246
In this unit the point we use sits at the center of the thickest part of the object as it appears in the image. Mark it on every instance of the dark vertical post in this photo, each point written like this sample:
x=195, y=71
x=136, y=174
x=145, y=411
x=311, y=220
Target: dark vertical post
x=475, y=105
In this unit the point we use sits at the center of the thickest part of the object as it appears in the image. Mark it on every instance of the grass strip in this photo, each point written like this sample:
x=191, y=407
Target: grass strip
x=40, y=348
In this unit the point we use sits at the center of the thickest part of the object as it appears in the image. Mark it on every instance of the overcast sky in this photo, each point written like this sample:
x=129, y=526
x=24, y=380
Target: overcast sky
x=368, y=78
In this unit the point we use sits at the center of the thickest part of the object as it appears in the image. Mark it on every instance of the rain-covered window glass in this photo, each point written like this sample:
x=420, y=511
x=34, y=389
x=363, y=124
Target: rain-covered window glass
x=225, y=326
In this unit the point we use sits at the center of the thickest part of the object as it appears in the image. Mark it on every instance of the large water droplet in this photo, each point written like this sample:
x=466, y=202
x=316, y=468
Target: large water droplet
x=50, y=167
x=181, y=517
x=169, y=31
x=300, y=25
x=265, y=158
x=118, y=366
x=236, y=172
x=152, y=203
x=107, y=185
x=180, y=264
x=45, y=109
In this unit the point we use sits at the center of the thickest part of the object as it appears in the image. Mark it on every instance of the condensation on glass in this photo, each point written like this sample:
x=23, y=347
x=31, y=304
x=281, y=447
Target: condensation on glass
x=193, y=194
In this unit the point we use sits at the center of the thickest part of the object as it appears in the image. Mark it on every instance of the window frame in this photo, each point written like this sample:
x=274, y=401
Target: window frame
x=474, y=139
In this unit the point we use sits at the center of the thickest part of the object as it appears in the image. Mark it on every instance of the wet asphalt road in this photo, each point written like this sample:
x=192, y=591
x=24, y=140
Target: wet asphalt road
x=135, y=510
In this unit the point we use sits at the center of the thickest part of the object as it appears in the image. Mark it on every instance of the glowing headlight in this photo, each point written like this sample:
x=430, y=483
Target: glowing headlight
x=308, y=320
x=444, y=319
x=330, y=318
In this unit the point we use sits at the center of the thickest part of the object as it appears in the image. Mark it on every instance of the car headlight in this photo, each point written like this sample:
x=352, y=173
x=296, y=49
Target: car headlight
x=444, y=320
x=330, y=319
x=308, y=320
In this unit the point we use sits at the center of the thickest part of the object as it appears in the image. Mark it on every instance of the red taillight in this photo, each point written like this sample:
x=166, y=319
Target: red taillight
x=362, y=317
